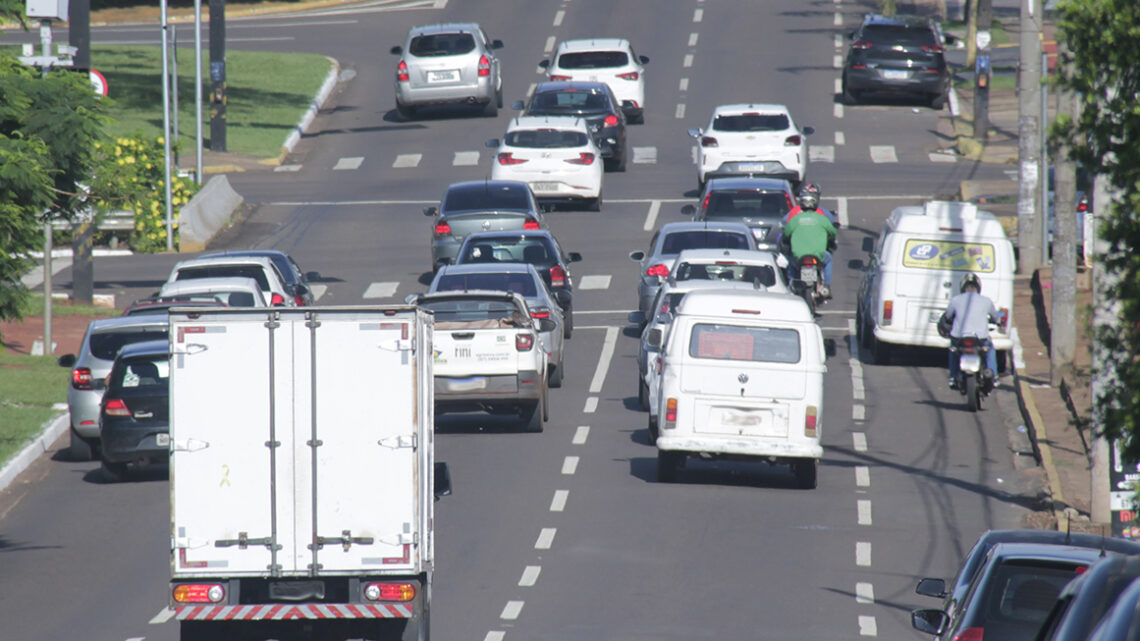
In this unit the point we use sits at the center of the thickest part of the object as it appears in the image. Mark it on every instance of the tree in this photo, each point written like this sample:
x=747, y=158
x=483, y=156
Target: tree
x=1103, y=37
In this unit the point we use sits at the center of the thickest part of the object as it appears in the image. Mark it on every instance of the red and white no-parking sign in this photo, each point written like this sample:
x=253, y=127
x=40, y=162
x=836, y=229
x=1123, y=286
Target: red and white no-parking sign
x=98, y=83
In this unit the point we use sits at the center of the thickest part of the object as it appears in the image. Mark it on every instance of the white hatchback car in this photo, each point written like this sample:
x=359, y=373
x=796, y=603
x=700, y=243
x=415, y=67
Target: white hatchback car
x=556, y=156
x=260, y=268
x=608, y=60
x=233, y=291
x=752, y=140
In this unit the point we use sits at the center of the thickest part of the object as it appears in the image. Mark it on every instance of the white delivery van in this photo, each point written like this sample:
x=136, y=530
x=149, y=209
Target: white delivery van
x=742, y=377
x=916, y=267
x=302, y=479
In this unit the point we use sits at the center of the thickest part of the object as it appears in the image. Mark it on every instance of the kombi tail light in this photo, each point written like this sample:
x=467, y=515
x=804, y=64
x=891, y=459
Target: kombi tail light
x=115, y=407
x=633, y=75
x=670, y=413
x=611, y=120
x=277, y=300
x=442, y=229
x=793, y=141
x=484, y=66
x=810, y=420
x=524, y=342
x=660, y=270
x=530, y=224
x=402, y=72
x=709, y=141
x=557, y=276
x=584, y=158
x=507, y=158
x=970, y=634
x=1003, y=319
x=81, y=378
x=402, y=592
x=1083, y=206
x=199, y=593
x=888, y=311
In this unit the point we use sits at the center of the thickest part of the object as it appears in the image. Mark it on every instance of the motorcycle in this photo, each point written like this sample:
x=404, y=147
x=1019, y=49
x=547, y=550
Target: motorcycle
x=813, y=290
x=973, y=382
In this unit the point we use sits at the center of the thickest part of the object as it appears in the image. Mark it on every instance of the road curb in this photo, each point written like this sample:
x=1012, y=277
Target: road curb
x=24, y=459
x=311, y=113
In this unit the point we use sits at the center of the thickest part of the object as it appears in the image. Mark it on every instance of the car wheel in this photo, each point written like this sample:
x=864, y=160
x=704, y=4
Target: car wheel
x=555, y=377
x=806, y=471
x=653, y=431
x=617, y=163
x=880, y=352
x=491, y=109
x=639, y=119
x=499, y=96
x=114, y=472
x=667, y=465
x=850, y=96
x=405, y=112
x=643, y=395
x=938, y=101
x=594, y=204
x=80, y=449
x=568, y=323
x=532, y=416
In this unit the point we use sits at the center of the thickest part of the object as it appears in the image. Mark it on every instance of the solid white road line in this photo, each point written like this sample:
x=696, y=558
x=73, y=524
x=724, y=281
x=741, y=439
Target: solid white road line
x=680, y=111
x=511, y=611
x=163, y=616
x=821, y=153
x=883, y=153
x=840, y=139
x=318, y=290
x=466, y=159
x=863, y=554
x=604, y=360
x=348, y=163
x=693, y=39
x=546, y=538
x=570, y=465
x=864, y=593
x=549, y=45
x=591, y=403
x=405, y=161
x=698, y=15
x=580, y=435
x=558, y=503
x=381, y=290
x=651, y=217
x=942, y=157
x=530, y=576
x=558, y=16
x=687, y=61
x=645, y=155
x=862, y=476
x=595, y=281
x=859, y=441
x=683, y=85
x=864, y=509
x=841, y=211
x=289, y=168
x=867, y=626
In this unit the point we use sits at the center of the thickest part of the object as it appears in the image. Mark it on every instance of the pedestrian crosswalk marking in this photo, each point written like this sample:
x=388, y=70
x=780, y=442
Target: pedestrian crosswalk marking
x=350, y=163
x=407, y=160
x=597, y=281
x=466, y=158
x=280, y=168
x=821, y=153
x=883, y=153
x=938, y=157
x=644, y=155
x=381, y=290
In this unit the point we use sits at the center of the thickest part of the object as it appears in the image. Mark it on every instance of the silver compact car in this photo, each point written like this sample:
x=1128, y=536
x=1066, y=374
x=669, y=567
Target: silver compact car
x=443, y=64
x=478, y=206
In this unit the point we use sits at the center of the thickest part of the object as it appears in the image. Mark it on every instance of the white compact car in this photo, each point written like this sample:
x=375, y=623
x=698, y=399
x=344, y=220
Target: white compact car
x=752, y=140
x=233, y=291
x=608, y=60
x=556, y=156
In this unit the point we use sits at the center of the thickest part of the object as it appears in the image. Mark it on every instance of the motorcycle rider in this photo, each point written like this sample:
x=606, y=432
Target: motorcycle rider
x=807, y=199
x=810, y=233
x=969, y=314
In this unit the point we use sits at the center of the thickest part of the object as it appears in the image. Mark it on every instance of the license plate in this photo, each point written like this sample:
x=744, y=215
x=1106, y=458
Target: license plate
x=467, y=384
x=754, y=166
x=162, y=440
x=809, y=275
x=738, y=418
x=450, y=75
x=544, y=186
x=895, y=74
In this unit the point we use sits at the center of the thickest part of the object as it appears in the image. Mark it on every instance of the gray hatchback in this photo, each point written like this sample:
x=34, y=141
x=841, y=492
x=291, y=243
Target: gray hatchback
x=444, y=64
x=476, y=206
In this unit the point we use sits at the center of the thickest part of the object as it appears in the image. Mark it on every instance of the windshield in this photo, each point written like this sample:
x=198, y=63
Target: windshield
x=520, y=283
x=536, y=250
x=898, y=35
x=735, y=343
x=593, y=60
x=747, y=204
x=764, y=274
x=751, y=122
x=487, y=197
x=473, y=310
x=255, y=272
x=570, y=101
x=442, y=44
x=105, y=345
x=546, y=138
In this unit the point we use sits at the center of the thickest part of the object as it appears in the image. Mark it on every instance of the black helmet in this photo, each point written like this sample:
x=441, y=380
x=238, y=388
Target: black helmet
x=808, y=196
x=971, y=279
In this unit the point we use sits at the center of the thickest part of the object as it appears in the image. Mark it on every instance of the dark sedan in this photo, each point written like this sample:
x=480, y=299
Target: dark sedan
x=592, y=101
x=134, y=417
x=760, y=203
x=898, y=55
x=1086, y=599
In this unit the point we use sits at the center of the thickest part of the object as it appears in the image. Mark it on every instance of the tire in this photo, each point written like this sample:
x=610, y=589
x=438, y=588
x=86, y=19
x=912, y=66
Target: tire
x=594, y=204
x=807, y=472
x=81, y=449
x=554, y=379
x=114, y=472
x=938, y=101
x=532, y=416
x=850, y=97
x=568, y=323
x=639, y=119
x=491, y=109
x=973, y=394
x=642, y=393
x=667, y=465
x=617, y=165
x=654, y=432
x=880, y=352
x=405, y=112
x=867, y=334
x=499, y=96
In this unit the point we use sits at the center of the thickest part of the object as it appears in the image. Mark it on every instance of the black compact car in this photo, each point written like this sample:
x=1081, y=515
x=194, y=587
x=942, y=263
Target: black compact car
x=537, y=247
x=897, y=55
x=760, y=203
x=134, y=416
x=1087, y=598
x=592, y=101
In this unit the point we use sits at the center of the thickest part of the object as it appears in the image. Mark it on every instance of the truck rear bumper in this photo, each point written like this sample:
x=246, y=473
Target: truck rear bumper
x=282, y=611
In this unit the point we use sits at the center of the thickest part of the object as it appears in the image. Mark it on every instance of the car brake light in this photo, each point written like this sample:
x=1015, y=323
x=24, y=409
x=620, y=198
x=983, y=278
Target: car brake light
x=557, y=276
x=402, y=71
x=277, y=300
x=858, y=66
x=484, y=66
x=888, y=311
x=659, y=269
x=708, y=141
x=933, y=49
x=584, y=158
x=199, y=593
x=558, y=77
x=81, y=378
x=116, y=407
x=530, y=224
x=506, y=158
x=670, y=413
x=862, y=45
x=969, y=634
x=1080, y=569
x=540, y=313
x=705, y=203
x=442, y=229
x=788, y=199
x=809, y=421
x=524, y=342
x=611, y=120
x=1083, y=206
x=793, y=141
x=300, y=301
x=633, y=75
x=389, y=592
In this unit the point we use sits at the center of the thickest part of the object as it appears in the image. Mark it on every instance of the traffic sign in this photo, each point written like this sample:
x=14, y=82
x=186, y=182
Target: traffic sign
x=98, y=83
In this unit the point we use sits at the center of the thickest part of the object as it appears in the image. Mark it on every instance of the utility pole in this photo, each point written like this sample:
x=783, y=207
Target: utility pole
x=1029, y=220
x=83, y=229
x=1106, y=313
x=1063, y=321
x=217, y=75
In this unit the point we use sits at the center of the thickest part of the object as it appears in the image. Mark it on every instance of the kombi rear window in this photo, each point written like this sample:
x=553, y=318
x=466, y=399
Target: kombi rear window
x=948, y=255
x=715, y=341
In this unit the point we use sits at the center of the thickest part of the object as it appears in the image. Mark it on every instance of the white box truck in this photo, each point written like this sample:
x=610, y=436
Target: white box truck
x=302, y=479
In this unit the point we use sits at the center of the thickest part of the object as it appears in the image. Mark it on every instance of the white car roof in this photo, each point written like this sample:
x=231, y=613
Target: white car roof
x=548, y=122
x=742, y=256
x=738, y=109
x=750, y=306
x=224, y=260
x=206, y=285
x=593, y=44
x=686, y=286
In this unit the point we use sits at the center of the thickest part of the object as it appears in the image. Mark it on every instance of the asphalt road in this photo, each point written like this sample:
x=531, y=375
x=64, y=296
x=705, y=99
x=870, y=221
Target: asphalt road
x=566, y=534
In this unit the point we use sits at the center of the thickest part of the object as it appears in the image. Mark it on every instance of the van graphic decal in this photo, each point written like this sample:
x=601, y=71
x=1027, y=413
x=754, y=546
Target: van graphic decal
x=949, y=255
x=925, y=251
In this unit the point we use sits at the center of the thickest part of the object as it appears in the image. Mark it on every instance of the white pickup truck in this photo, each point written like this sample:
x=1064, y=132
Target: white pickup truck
x=487, y=356
x=302, y=479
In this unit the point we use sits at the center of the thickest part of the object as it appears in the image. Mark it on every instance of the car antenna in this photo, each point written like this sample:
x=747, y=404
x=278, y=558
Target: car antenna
x=1068, y=531
x=1103, y=543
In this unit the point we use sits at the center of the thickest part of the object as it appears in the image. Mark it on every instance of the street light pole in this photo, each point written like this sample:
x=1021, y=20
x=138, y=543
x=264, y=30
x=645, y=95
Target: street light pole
x=167, y=192
x=1029, y=220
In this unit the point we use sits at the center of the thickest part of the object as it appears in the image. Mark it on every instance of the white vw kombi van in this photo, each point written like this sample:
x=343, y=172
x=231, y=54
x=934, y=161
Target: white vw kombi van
x=742, y=377
x=916, y=267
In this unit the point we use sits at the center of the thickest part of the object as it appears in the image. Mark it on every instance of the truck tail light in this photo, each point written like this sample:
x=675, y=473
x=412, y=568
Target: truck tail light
x=402, y=72
x=557, y=276
x=809, y=421
x=633, y=75
x=659, y=269
x=199, y=593
x=442, y=229
x=709, y=141
x=793, y=141
x=390, y=592
x=484, y=66
x=611, y=120
x=115, y=407
x=81, y=378
x=524, y=342
x=888, y=311
x=584, y=158
x=277, y=300
x=507, y=158
x=530, y=224
x=670, y=413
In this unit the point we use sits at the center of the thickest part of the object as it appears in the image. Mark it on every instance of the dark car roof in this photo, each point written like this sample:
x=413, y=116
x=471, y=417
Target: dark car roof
x=145, y=348
x=1044, y=552
x=1053, y=537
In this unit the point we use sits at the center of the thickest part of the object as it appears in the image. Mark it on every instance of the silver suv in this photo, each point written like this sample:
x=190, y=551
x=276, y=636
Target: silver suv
x=448, y=64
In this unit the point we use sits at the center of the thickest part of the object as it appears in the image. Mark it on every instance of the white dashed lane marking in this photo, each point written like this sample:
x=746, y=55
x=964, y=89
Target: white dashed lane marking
x=840, y=139
x=495, y=635
x=693, y=39
x=511, y=611
x=858, y=412
x=570, y=465
x=558, y=17
x=644, y=155
x=841, y=211
x=381, y=290
x=859, y=441
x=698, y=15
x=863, y=554
x=404, y=161
x=558, y=503
x=867, y=626
x=864, y=593
x=883, y=154
x=581, y=434
x=837, y=110
x=604, y=360
x=530, y=576
x=837, y=61
x=348, y=163
x=838, y=41
x=942, y=157
x=838, y=19
x=288, y=168
x=864, y=510
x=821, y=153
x=545, y=538
x=549, y=45
x=687, y=61
x=651, y=216
x=595, y=281
x=862, y=476
x=680, y=111
x=466, y=159
x=591, y=405
x=683, y=85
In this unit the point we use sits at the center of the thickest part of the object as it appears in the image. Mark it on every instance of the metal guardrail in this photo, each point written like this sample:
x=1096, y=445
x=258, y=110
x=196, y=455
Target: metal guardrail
x=111, y=221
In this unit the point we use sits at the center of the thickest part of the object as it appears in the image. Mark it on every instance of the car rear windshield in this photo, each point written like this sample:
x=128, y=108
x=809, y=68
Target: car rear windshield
x=106, y=345
x=593, y=60
x=536, y=250
x=546, y=138
x=520, y=283
x=889, y=35
x=142, y=374
x=487, y=198
x=1019, y=595
x=747, y=204
x=442, y=44
x=751, y=122
x=679, y=241
x=474, y=310
x=570, y=101
x=763, y=274
x=736, y=343
x=255, y=272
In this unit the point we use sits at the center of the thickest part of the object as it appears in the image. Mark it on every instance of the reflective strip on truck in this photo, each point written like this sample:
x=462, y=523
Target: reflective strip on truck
x=281, y=612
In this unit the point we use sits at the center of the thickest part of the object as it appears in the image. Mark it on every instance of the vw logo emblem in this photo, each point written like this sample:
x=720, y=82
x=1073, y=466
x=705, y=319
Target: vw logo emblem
x=486, y=224
x=743, y=378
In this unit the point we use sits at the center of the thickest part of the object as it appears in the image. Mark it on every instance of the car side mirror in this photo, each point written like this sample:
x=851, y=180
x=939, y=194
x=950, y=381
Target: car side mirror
x=313, y=276
x=397, y=50
x=544, y=64
x=517, y=105
x=929, y=621
x=809, y=130
x=689, y=210
x=430, y=211
x=493, y=143
x=653, y=338
x=67, y=360
x=637, y=256
x=869, y=245
x=563, y=297
x=931, y=587
x=496, y=44
x=442, y=480
x=574, y=257
x=695, y=133
x=637, y=318
x=643, y=59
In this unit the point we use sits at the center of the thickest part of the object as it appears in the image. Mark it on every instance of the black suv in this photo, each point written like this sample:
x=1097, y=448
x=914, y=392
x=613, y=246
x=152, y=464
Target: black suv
x=134, y=418
x=595, y=103
x=898, y=55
